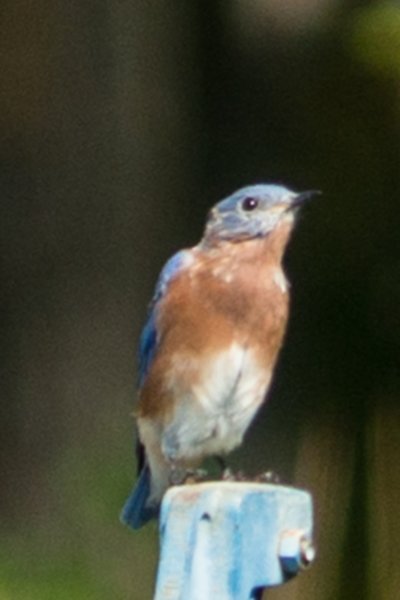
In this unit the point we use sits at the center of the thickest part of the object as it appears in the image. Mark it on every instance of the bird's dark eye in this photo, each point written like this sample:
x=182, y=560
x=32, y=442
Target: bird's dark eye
x=249, y=203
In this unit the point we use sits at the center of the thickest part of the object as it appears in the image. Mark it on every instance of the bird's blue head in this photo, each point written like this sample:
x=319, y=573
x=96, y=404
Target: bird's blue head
x=253, y=211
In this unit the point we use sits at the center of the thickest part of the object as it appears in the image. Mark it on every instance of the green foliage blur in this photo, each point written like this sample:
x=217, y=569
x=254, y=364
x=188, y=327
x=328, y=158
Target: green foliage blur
x=121, y=123
x=376, y=38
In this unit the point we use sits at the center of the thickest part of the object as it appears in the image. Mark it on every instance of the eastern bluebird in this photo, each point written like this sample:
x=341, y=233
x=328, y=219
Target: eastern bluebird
x=211, y=341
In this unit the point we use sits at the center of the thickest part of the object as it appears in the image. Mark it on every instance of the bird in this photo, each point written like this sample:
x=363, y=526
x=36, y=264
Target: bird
x=211, y=341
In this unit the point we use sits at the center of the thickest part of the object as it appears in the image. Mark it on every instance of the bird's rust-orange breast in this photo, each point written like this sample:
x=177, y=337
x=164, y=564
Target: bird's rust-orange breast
x=231, y=293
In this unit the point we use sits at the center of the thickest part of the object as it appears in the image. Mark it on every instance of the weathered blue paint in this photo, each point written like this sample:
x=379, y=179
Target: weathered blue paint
x=225, y=539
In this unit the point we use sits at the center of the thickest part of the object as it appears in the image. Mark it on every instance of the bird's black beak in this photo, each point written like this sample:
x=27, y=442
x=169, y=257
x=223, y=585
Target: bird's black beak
x=304, y=197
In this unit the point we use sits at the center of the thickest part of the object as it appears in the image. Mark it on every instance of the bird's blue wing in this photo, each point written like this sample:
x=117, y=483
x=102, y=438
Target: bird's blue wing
x=148, y=338
x=147, y=345
x=137, y=510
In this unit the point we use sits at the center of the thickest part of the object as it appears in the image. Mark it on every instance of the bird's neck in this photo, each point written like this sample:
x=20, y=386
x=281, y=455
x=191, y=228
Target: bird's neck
x=269, y=248
x=276, y=242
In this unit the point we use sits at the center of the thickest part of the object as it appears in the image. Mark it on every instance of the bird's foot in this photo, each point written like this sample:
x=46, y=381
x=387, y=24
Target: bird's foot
x=195, y=476
x=182, y=476
x=267, y=477
x=229, y=475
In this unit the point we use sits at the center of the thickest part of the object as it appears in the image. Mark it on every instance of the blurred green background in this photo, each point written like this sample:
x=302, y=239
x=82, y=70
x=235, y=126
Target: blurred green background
x=121, y=123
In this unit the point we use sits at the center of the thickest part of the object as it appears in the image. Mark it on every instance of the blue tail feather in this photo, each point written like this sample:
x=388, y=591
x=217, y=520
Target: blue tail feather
x=136, y=512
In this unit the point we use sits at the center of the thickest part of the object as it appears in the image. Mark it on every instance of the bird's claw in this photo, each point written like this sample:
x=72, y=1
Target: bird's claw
x=195, y=475
x=229, y=475
x=267, y=477
x=181, y=476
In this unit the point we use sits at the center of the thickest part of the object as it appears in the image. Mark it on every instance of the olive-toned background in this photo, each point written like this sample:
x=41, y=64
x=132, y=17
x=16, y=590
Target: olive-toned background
x=120, y=124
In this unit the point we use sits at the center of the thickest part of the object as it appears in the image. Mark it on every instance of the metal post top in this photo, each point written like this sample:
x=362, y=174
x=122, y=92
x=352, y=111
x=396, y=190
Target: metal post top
x=233, y=487
x=227, y=539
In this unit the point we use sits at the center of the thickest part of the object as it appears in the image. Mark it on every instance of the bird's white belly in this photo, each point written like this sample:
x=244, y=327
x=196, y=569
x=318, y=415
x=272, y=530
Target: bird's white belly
x=217, y=410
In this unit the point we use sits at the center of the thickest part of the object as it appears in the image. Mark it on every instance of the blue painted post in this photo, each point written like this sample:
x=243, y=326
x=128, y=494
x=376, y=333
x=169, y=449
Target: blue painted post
x=230, y=540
